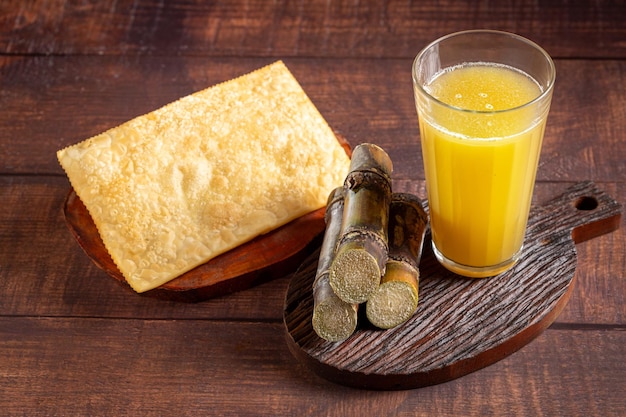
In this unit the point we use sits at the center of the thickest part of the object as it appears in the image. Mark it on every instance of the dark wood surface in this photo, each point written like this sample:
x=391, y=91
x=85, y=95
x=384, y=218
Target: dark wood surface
x=73, y=341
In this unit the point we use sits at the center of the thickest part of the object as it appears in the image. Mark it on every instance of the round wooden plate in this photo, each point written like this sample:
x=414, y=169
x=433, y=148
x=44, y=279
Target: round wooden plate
x=269, y=256
x=461, y=325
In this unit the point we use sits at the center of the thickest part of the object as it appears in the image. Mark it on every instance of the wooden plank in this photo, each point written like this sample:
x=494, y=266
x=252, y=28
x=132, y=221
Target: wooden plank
x=300, y=28
x=364, y=100
x=192, y=367
x=74, y=342
x=43, y=272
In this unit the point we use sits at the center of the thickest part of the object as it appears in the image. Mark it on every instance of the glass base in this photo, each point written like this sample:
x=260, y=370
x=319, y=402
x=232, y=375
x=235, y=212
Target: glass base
x=475, y=271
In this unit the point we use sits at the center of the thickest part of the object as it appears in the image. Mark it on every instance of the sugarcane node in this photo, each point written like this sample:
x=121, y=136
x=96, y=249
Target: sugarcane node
x=402, y=257
x=367, y=179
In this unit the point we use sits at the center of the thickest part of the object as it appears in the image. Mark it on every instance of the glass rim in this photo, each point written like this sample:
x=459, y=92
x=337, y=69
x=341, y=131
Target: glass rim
x=545, y=92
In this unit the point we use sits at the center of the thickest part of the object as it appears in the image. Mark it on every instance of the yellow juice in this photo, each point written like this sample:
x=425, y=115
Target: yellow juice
x=480, y=163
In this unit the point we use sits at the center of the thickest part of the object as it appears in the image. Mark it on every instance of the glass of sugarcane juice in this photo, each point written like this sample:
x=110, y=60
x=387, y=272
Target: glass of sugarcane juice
x=482, y=100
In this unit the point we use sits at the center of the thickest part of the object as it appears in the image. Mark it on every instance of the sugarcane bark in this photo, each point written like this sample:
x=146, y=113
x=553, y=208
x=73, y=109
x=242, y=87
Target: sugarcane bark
x=407, y=226
x=361, y=255
x=333, y=319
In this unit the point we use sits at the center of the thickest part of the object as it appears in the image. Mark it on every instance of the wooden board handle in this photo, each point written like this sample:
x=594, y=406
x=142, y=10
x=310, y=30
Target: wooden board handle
x=584, y=211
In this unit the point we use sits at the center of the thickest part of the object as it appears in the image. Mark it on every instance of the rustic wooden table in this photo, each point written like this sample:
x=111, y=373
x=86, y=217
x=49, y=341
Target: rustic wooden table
x=75, y=342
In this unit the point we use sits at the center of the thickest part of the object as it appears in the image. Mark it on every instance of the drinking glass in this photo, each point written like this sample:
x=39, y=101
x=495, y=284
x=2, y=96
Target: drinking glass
x=482, y=99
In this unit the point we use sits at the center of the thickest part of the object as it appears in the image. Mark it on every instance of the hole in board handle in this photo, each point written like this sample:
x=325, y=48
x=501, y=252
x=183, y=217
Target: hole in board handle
x=586, y=203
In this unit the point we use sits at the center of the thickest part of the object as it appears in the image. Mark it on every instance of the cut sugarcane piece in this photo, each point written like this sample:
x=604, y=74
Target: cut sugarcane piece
x=396, y=299
x=333, y=319
x=361, y=254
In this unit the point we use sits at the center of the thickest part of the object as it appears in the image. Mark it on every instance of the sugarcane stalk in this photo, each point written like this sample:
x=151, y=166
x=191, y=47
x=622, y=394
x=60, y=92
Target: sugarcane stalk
x=396, y=299
x=361, y=255
x=333, y=319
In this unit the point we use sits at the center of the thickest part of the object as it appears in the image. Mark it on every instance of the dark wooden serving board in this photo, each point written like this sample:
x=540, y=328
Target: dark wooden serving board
x=461, y=324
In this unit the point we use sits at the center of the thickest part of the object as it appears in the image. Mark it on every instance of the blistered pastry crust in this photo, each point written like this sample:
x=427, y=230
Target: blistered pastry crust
x=174, y=188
